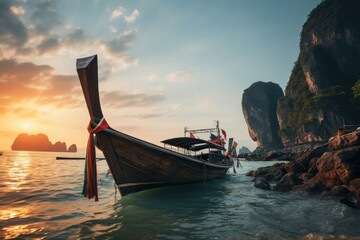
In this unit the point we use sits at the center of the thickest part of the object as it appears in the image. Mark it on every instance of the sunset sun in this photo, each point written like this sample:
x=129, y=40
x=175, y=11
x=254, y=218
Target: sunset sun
x=26, y=126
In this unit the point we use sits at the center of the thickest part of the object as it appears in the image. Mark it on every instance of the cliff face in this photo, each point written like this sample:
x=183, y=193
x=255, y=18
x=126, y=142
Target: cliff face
x=39, y=142
x=259, y=103
x=72, y=148
x=318, y=98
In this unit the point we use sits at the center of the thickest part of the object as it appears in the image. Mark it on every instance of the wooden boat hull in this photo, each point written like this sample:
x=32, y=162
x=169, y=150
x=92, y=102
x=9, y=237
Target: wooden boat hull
x=137, y=165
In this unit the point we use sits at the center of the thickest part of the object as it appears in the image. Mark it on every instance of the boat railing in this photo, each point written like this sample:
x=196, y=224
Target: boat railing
x=175, y=149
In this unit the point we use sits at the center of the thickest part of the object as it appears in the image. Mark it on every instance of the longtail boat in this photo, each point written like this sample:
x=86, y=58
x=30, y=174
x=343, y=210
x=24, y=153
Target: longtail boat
x=136, y=164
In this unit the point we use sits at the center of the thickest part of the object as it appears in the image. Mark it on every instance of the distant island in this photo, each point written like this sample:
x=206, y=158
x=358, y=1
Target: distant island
x=39, y=142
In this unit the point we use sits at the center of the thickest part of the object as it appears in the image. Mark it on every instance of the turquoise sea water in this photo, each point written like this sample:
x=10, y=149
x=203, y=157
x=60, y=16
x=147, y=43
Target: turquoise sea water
x=40, y=198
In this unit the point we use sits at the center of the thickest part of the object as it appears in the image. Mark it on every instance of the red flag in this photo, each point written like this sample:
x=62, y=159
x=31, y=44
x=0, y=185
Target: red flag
x=224, y=133
x=192, y=135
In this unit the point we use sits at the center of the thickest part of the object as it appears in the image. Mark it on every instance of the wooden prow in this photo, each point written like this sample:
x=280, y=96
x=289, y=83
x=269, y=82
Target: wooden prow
x=87, y=69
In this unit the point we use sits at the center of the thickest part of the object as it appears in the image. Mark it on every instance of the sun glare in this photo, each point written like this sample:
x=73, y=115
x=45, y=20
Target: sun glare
x=25, y=126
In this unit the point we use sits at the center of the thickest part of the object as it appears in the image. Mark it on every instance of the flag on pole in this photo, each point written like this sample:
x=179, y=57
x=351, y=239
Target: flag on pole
x=192, y=135
x=224, y=133
x=213, y=137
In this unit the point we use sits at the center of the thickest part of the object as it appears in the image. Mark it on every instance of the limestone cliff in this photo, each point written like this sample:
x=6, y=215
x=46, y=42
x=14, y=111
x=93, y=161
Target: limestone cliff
x=318, y=97
x=72, y=148
x=259, y=103
x=39, y=142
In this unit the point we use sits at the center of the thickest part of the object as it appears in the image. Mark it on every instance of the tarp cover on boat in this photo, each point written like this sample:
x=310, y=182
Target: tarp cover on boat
x=193, y=144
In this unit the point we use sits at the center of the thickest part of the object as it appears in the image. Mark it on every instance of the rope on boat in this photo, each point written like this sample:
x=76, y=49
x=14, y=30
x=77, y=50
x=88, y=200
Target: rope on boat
x=204, y=172
x=90, y=187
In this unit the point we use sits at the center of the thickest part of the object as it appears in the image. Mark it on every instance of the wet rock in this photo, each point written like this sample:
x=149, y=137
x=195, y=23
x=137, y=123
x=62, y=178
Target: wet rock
x=312, y=166
x=339, y=167
x=250, y=173
x=314, y=188
x=343, y=141
x=262, y=184
x=306, y=176
x=355, y=187
x=287, y=182
x=319, y=170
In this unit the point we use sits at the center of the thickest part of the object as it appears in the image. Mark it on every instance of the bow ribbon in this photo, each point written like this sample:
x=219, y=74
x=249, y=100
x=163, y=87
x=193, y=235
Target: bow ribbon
x=90, y=188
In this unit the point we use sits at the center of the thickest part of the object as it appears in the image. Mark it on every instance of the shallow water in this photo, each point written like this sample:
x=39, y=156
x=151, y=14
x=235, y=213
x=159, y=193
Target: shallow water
x=40, y=198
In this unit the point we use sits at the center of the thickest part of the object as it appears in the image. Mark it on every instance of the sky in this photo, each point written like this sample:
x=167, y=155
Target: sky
x=163, y=64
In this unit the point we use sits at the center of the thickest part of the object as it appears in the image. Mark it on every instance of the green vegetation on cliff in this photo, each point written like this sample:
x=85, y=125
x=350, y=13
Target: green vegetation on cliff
x=356, y=90
x=342, y=100
x=299, y=100
x=323, y=91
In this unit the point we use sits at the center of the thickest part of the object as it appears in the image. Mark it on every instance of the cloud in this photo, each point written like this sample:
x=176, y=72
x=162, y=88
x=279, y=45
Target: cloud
x=26, y=86
x=112, y=29
x=17, y=10
x=118, y=12
x=73, y=40
x=178, y=76
x=143, y=115
x=13, y=32
x=32, y=29
x=121, y=42
x=45, y=16
x=153, y=78
x=48, y=45
x=132, y=17
x=124, y=99
x=116, y=49
x=206, y=103
x=78, y=36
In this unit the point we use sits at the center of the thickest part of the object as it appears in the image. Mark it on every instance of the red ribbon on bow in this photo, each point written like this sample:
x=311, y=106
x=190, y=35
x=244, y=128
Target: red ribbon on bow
x=90, y=188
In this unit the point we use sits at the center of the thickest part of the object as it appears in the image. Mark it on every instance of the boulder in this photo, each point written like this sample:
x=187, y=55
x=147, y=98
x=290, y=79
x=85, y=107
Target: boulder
x=355, y=187
x=337, y=173
x=262, y=184
x=288, y=182
x=344, y=140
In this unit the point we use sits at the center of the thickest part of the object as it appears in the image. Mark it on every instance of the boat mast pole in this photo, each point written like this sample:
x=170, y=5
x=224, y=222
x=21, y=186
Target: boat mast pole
x=87, y=69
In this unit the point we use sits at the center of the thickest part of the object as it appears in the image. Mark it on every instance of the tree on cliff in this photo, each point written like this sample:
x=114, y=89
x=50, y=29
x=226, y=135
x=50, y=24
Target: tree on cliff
x=356, y=90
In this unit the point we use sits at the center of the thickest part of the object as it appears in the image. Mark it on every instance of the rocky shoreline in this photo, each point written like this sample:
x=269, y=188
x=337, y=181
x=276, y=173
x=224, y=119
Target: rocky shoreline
x=288, y=153
x=331, y=169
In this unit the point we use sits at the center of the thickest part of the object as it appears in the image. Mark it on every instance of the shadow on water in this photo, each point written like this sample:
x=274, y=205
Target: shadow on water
x=166, y=213
x=228, y=208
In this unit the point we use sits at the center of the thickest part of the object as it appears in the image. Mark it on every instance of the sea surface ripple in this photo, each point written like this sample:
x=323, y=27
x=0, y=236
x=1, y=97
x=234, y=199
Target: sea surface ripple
x=40, y=198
